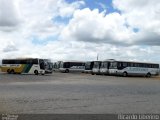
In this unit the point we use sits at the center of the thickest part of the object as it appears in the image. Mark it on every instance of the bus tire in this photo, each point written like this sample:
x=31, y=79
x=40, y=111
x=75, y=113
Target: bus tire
x=148, y=75
x=66, y=71
x=8, y=71
x=36, y=72
x=125, y=74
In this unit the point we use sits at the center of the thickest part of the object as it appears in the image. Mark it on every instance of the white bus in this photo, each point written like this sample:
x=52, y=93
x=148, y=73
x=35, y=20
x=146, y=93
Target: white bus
x=88, y=67
x=96, y=67
x=71, y=66
x=126, y=68
x=48, y=66
x=28, y=65
x=104, y=68
x=56, y=65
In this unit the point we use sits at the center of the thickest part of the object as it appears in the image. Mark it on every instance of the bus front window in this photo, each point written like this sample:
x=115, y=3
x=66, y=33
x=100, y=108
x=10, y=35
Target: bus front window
x=42, y=64
x=103, y=65
x=113, y=65
x=96, y=65
x=61, y=65
x=87, y=65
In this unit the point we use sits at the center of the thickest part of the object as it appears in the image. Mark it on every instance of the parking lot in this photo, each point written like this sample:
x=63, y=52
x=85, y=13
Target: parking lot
x=78, y=93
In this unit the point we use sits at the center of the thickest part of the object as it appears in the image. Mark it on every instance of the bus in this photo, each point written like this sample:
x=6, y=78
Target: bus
x=104, y=68
x=56, y=65
x=71, y=66
x=96, y=68
x=27, y=65
x=126, y=68
x=88, y=67
x=48, y=66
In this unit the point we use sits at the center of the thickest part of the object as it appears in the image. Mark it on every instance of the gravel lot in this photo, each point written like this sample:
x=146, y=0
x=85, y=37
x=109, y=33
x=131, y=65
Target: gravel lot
x=78, y=93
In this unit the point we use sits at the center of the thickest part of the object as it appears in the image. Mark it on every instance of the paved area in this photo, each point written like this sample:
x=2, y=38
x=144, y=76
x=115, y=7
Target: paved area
x=78, y=93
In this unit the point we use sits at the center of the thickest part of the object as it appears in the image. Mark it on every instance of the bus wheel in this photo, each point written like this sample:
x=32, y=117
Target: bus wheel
x=125, y=74
x=36, y=72
x=67, y=71
x=12, y=71
x=8, y=71
x=148, y=75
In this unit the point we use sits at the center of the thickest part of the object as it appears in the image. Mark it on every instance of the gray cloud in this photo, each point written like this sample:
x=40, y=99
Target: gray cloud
x=10, y=48
x=148, y=38
x=8, y=14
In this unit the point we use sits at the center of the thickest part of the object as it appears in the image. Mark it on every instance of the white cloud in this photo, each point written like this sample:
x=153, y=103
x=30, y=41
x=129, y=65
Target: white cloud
x=67, y=10
x=10, y=47
x=92, y=26
x=8, y=14
x=144, y=15
x=115, y=28
x=26, y=19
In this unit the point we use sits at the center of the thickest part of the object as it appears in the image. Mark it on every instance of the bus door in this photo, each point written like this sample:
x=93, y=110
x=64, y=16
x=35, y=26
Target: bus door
x=42, y=64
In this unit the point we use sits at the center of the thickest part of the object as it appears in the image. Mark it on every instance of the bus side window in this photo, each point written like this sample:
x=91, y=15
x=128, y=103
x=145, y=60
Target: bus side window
x=145, y=65
x=135, y=65
x=17, y=61
x=129, y=64
x=28, y=61
x=35, y=61
x=157, y=66
x=140, y=64
x=11, y=62
x=5, y=61
x=120, y=65
x=67, y=65
x=124, y=64
x=154, y=66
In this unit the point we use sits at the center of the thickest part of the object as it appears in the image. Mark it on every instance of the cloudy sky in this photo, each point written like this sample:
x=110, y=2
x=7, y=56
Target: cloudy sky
x=80, y=29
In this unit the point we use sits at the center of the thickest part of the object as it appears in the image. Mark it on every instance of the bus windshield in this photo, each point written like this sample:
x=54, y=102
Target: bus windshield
x=113, y=65
x=87, y=65
x=96, y=65
x=104, y=65
x=61, y=65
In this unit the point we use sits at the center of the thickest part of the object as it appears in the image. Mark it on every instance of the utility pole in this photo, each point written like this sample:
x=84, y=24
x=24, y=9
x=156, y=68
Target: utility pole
x=97, y=56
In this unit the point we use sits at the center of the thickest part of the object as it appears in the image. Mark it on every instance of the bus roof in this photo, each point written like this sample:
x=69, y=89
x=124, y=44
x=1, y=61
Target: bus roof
x=108, y=60
x=134, y=62
x=97, y=61
x=19, y=58
x=73, y=61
